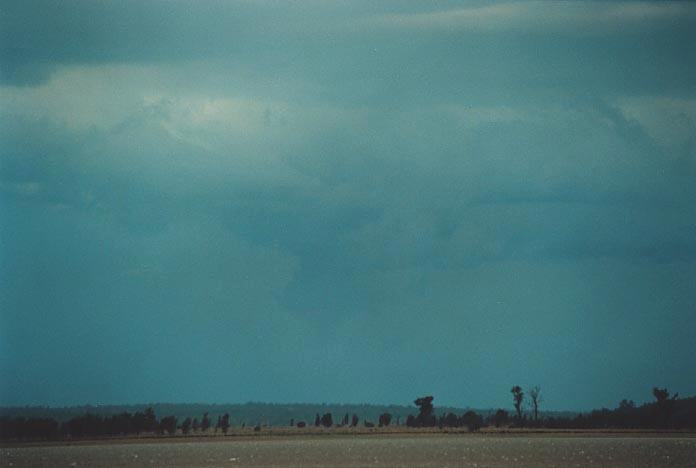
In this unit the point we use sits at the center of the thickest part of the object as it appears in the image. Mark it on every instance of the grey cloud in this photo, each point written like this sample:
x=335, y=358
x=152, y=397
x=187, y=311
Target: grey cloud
x=303, y=189
x=328, y=44
x=366, y=189
x=15, y=72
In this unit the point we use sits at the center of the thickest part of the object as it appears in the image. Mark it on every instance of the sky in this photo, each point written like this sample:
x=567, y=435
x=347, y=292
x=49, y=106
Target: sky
x=347, y=201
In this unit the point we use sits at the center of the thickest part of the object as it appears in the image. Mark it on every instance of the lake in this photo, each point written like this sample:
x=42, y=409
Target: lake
x=401, y=450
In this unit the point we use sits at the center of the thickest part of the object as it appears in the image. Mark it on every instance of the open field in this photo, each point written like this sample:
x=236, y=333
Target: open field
x=474, y=450
x=345, y=431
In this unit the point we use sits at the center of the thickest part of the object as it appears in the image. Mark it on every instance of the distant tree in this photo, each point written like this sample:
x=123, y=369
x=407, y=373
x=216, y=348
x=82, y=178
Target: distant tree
x=627, y=405
x=369, y=424
x=317, y=420
x=138, y=422
x=224, y=423
x=385, y=419
x=425, y=416
x=450, y=420
x=664, y=405
x=292, y=422
x=143, y=421
x=660, y=394
x=500, y=417
x=625, y=415
x=410, y=421
x=168, y=425
x=354, y=421
x=150, y=420
x=301, y=424
x=86, y=425
x=346, y=420
x=472, y=421
x=119, y=424
x=327, y=420
x=535, y=397
x=30, y=428
x=205, y=422
x=186, y=426
x=518, y=398
x=195, y=425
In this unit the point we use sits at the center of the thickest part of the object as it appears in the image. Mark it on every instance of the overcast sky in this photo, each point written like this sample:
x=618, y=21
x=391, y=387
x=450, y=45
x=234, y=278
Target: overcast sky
x=345, y=201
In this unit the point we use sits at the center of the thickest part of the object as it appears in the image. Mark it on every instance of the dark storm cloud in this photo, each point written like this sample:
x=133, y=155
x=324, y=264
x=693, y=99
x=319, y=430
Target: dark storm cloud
x=293, y=188
x=635, y=44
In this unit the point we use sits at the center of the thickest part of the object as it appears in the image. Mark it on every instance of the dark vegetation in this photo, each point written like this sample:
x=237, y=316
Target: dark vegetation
x=665, y=412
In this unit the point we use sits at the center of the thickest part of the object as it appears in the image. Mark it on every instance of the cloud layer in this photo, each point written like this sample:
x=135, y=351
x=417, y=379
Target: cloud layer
x=252, y=201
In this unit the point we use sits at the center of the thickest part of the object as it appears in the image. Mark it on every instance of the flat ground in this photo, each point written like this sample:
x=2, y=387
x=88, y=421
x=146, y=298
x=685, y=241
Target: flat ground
x=469, y=450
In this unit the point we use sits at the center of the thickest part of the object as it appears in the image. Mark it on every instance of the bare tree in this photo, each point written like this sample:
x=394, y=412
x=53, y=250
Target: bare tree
x=518, y=397
x=535, y=396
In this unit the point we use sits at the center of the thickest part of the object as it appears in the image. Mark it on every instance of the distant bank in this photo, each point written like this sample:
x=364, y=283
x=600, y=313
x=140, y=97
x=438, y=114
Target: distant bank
x=203, y=420
x=251, y=413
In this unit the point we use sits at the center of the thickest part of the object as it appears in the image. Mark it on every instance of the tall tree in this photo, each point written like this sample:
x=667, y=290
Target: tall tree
x=327, y=420
x=225, y=423
x=150, y=420
x=385, y=419
x=186, y=426
x=205, y=422
x=665, y=404
x=472, y=421
x=139, y=422
x=168, y=425
x=517, y=398
x=535, y=396
x=425, y=416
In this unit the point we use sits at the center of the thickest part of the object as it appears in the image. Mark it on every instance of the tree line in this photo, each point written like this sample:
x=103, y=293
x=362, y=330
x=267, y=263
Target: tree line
x=122, y=424
x=667, y=411
x=251, y=413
